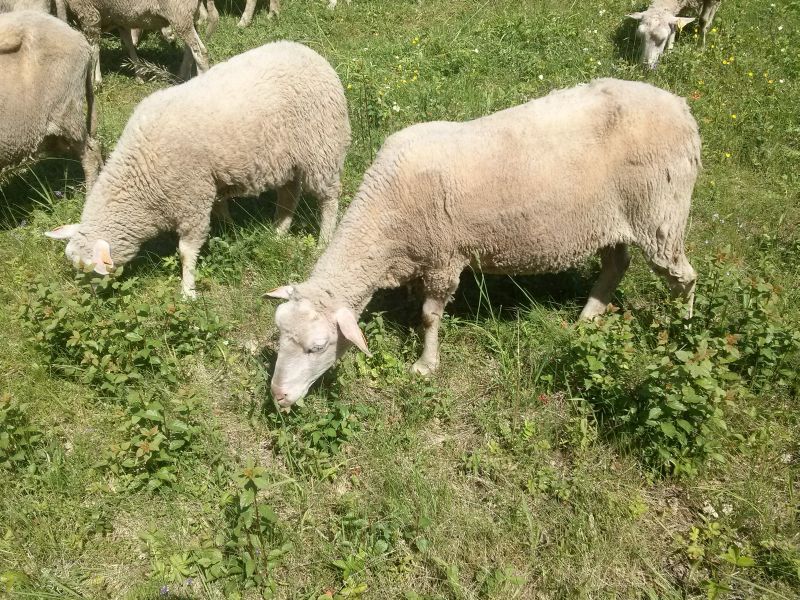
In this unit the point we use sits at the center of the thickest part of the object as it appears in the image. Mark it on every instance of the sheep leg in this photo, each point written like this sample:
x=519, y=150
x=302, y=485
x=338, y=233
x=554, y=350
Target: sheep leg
x=189, y=244
x=331, y=4
x=274, y=8
x=288, y=196
x=61, y=9
x=438, y=290
x=91, y=160
x=614, y=262
x=194, y=50
x=213, y=18
x=707, y=15
x=247, y=15
x=130, y=48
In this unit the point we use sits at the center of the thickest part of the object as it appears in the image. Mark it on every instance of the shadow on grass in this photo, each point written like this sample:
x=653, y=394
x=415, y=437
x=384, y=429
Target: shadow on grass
x=626, y=44
x=37, y=186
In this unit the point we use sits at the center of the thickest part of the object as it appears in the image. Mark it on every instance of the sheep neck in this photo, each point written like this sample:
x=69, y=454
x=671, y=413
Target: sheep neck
x=353, y=269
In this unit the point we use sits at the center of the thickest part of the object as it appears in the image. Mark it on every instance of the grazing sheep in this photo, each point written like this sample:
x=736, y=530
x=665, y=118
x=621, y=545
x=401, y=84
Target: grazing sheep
x=56, y=7
x=658, y=24
x=94, y=16
x=273, y=117
x=274, y=10
x=531, y=189
x=45, y=81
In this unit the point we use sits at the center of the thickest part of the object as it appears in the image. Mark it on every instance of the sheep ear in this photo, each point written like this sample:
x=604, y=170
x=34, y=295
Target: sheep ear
x=681, y=22
x=348, y=325
x=637, y=16
x=64, y=232
x=101, y=257
x=12, y=41
x=282, y=293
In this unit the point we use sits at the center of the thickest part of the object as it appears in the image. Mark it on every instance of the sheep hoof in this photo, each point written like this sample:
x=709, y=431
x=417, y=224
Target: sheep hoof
x=422, y=368
x=189, y=294
x=242, y=24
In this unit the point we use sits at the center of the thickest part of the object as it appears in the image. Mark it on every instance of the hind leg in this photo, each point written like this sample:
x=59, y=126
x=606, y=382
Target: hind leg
x=194, y=50
x=326, y=191
x=707, y=15
x=439, y=288
x=288, y=196
x=614, y=262
x=247, y=15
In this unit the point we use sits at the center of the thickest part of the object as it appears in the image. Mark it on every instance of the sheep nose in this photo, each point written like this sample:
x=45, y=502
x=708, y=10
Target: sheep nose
x=280, y=396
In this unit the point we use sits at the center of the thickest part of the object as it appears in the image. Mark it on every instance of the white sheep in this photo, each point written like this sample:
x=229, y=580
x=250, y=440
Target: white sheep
x=94, y=16
x=274, y=10
x=56, y=7
x=531, y=189
x=46, y=99
x=659, y=23
x=273, y=117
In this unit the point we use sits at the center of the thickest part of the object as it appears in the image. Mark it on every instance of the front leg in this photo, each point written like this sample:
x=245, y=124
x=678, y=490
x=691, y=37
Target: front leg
x=191, y=240
x=432, y=311
x=439, y=288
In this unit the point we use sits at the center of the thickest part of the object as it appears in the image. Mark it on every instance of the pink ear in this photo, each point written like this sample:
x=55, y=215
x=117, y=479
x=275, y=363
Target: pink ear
x=101, y=257
x=282, y=293
x=348, y=325
x=64, y=232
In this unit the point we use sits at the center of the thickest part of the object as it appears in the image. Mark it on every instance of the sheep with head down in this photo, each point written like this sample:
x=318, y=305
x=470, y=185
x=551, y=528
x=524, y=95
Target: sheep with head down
x=271, y=118
x=531, y=189
x=660, y=22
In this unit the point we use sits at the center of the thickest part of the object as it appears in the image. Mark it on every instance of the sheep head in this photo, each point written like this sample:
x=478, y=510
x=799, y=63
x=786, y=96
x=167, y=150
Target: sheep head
x=311, y=339
x=654, y=31
x=81, y=251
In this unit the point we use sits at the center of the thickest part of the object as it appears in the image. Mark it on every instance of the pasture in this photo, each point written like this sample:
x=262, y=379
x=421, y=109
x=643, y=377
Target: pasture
x=642, y=455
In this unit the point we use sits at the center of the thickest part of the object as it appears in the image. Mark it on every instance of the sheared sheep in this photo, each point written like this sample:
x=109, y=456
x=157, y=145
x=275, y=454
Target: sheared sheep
x=531, y=189
x=274, y=10
x=94, y=16
x=658, y=24
x=273, y=117
x=46, y=99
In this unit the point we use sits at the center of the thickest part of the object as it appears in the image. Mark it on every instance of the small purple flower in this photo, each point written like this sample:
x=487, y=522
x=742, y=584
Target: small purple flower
x=59, y=194
x=189, y=581
x=164, y=591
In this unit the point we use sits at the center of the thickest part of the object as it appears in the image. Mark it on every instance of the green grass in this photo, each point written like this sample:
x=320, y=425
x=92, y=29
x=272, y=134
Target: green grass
x=503, y=476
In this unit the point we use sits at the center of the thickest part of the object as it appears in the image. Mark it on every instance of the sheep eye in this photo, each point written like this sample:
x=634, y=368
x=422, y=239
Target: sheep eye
x=316, y=349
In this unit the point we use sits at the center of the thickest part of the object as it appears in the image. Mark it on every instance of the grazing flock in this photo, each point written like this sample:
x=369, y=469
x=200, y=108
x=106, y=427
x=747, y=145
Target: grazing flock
x=535, y=188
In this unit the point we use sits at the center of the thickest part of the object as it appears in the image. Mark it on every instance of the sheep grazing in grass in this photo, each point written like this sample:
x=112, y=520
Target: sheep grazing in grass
x=94, y=16
x=46, y=99
x=273, y=117
x=531, y=189
x=659, y=23
x=56, y=7
x=274, y=10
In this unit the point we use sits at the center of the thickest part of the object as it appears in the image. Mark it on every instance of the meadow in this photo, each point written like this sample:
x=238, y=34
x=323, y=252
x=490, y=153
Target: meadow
x=642, y=455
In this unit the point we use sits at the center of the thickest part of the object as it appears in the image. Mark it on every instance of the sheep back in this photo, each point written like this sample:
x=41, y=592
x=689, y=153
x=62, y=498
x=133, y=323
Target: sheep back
x=44, y=65
x=534, y=188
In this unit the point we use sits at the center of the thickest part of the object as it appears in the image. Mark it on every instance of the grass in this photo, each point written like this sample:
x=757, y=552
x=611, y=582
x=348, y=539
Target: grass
x=498, y=478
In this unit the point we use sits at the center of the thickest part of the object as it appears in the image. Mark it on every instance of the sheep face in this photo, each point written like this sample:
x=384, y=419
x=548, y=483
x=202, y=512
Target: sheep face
x=82, y=252
x=655, y=32
x=311, y=339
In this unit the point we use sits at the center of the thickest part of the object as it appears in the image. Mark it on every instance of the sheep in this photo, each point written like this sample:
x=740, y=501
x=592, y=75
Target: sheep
x=274, y=10
x=658, y=24
x=531, y=189
x=45, y=79
x=57, y=7
x=273, y=117
x=95, y=15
